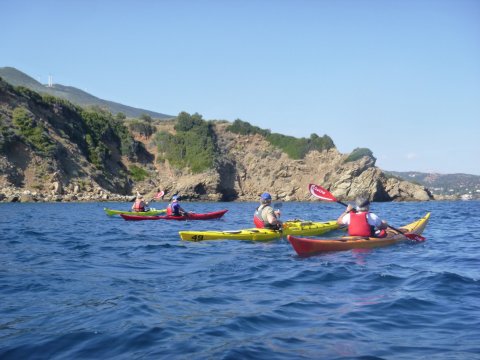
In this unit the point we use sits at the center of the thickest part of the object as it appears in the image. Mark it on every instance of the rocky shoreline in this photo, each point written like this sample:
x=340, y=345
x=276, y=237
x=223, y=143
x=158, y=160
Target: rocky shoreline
x=13, y=194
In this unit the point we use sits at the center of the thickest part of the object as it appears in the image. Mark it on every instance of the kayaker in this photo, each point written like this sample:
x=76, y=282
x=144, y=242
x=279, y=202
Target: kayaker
x=139, y=204
x=362, y=222
x=174, y=208
x=265, y=216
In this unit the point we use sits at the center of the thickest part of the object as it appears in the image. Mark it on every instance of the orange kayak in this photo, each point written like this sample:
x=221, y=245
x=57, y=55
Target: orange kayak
x=308, y=246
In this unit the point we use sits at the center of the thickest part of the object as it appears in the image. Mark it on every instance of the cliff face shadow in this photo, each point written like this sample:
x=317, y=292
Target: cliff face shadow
x=18, y=156
x=228, y=176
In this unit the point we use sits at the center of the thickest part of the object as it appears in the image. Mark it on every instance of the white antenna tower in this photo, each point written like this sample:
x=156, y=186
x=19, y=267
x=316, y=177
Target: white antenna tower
x=50, y=81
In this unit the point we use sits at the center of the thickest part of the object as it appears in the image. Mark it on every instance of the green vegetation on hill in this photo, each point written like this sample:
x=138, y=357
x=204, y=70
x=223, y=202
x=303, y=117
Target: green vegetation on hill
x=193, y=145
x=295, y=148
x=32, y=131
x=37, y=117
x=57, y=136
x=141, y=127
x=137, y=173
x=245, y=128
x=6, y=134
x=102, y=127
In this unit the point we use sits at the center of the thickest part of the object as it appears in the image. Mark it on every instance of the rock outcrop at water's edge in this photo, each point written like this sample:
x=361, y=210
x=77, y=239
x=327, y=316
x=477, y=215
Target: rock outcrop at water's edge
x=251, y=165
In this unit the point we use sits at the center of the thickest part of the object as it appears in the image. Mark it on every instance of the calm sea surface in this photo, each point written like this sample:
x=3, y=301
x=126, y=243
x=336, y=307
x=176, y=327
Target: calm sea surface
x=76, y=284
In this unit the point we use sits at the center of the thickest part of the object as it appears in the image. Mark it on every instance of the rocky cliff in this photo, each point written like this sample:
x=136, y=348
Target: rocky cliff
x=79, y=156
x=250, y=166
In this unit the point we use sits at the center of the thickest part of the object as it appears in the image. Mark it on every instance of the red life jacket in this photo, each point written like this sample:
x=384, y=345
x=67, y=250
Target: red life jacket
x=139, y=206
x=169, y=210
x=257, y=218
x=359, y=225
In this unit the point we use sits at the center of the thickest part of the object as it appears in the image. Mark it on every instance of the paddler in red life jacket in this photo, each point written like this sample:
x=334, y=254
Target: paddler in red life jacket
x=174, y=208
x=139, y=204
x=361, y=222
x=265, y=216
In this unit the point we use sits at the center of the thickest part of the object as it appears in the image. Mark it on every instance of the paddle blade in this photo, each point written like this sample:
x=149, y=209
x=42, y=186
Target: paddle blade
x=415, y=237
x=321, y=193
x=159, y=195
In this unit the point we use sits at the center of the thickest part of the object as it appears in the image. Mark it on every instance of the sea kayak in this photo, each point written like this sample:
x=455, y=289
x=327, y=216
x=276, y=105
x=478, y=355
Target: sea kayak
x=189, y=216
x=294, y=227
x=111, y=212
x=308, y=246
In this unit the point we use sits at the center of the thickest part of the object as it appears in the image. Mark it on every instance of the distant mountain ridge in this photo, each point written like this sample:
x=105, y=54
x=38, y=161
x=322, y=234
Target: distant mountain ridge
x=76, y=96
x=443, y=184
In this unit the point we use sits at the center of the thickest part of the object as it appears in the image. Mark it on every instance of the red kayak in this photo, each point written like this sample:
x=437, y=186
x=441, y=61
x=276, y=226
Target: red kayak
x=189, y=216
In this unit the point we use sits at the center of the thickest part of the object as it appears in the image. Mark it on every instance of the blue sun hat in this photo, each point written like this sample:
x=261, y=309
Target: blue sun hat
x=266, y=196
x=175, y=197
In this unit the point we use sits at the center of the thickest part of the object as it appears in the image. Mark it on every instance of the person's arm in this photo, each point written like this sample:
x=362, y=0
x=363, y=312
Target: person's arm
x=340, y=218
x=181, y=211
x=383, y=225
x=272, y=218
x=377, y=222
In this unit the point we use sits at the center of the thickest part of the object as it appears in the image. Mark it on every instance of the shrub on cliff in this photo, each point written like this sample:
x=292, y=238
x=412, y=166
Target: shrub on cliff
x=141, y=127
x=138, y=173
x=193, y=145
x=32, y=131
x=6, y=134
x=358, y=153
x=245, y=128
x=102, y=127
x=295, y=148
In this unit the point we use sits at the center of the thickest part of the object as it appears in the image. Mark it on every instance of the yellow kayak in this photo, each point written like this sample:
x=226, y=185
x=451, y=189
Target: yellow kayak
x=291, y=227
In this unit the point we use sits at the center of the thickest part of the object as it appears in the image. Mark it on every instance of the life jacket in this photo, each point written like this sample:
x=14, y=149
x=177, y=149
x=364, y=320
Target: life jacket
x=359, y=225
x=139, y=205
x=259, y=220
x=257, y=217
x=172, y=209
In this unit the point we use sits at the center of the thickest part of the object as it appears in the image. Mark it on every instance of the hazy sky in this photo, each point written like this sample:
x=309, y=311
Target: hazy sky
x=401, y=78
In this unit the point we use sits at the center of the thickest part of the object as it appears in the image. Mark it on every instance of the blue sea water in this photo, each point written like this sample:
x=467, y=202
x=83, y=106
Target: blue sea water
x=77, y=284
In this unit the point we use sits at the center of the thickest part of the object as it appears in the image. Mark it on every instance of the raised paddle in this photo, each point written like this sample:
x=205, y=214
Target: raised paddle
x=277, y=207
x=157, y=196
x=324, y=194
